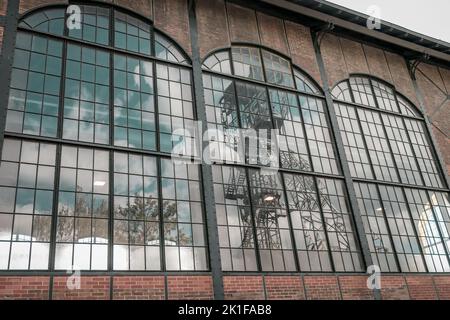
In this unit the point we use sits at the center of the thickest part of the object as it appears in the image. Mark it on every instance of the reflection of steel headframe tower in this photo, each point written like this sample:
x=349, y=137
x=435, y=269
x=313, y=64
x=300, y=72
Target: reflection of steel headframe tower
x=266, y=202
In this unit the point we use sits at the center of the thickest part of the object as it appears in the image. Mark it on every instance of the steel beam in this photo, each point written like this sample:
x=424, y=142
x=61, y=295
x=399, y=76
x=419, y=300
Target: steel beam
x=334, y=126
x=207, y=179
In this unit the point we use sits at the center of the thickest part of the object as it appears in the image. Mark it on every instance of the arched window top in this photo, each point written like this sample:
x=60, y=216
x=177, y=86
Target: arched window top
x=304, y=84
x=50, y=21
x=130, y=33
x=168, y=50
x=218, y=62
x=371, y=92
x=260, y=65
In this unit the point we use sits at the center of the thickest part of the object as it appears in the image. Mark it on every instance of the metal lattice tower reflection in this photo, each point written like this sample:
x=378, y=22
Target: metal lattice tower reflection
x=267, y=213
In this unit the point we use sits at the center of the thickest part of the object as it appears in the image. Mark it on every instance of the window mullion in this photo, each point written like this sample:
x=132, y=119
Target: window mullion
x=255, y=232
x=416, y=233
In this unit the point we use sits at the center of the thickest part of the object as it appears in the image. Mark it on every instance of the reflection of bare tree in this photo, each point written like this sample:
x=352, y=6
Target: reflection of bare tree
x=85, y=229
x=41, y=228
x=147, y=209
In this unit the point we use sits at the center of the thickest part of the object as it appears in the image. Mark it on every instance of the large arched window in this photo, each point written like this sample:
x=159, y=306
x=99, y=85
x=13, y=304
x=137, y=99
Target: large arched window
x=88, y=141
x=400, y=189
x=295, y=219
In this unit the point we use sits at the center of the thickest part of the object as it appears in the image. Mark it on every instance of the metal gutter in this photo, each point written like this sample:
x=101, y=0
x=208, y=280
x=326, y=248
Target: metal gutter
x=318, y=14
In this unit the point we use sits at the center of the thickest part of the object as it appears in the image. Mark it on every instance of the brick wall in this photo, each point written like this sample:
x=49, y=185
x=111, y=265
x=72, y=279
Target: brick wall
x=3, y=5
x=322, y=287
x=220, y=24
x=1, y=39
x=139, y=288
x=245, y=287
x=171, y=17
x=26, y=5
x=143, y=7
x=25, y=288
x=434, y=84
x=189, y=287
x=91, y=288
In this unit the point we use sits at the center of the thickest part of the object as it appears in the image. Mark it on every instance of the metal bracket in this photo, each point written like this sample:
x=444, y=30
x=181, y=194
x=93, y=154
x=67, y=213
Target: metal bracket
x=321, y=30
x=414, y=61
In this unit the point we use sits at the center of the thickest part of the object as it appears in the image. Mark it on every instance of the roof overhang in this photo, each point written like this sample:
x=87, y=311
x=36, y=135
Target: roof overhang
x=350, y=22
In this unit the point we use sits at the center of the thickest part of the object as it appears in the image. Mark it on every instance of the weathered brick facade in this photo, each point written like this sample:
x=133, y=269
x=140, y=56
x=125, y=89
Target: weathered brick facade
x=3, y=5
x=270, y=287
x=219, y=24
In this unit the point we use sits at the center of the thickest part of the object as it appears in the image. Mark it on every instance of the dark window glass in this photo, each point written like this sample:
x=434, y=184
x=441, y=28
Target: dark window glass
x=342, y=92
x=35, y=84
x=218, y=62
x=377, y=146
x=86, y=102
x=355, y=150
x=288, y=122
x=223, y=120
x=167, y=50
x=424, y=154
x=303, y=84
x=318, y=134
x=271, y=222
x=83, y=210
x=385, y=96
x=430, y=225
x=176, y=111
x=50, y=20
x=340, y=230
x=305, y=211
x=362, y=91
x=402, y=150
x=247, y=63
x=131, y=34
x=136, y=213
x=376, y=228
x=278, y=70
x=234, y=219
x=183, y=223
x=134, y=107
x=27, y=173
x=94, y=25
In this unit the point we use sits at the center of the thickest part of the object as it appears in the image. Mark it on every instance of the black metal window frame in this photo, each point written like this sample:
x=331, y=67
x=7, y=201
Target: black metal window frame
x=397, y=231
x=111, y=148
x=315, y=175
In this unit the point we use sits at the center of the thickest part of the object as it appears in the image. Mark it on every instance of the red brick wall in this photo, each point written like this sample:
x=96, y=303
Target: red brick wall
x=1, y=39
x=212, y=25
x=434, y=84
x=421, y=288
x=442, y=285
x=302, y=49
x=3, y=5
x=91, y=288
x=138, y=288
x=242, y=23
x=272, y=32
x=243, y=287
x=189, y=287
x=271, y=287
x=220, y=23
x=26, y=5
x=355, y=288
x=171, y=16
x=143, y=7
x=284, y=288
x=322, y=287
x=343, y=57
x=394, y=288
x=25, y=288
